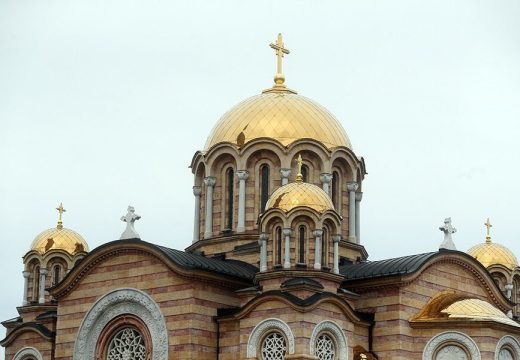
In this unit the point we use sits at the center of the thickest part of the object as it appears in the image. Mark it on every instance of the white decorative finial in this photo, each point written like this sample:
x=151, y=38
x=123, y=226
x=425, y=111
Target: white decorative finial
x=130, y=218
x=448, y=229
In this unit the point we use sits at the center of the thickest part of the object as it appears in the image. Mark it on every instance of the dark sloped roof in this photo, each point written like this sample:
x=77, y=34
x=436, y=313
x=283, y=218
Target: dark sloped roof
x=301, y=281
x=235, y=268
x=388, y=267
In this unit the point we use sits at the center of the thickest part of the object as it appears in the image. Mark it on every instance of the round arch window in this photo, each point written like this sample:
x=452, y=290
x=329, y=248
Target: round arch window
x=451, y=352
x=505, y=354
x=325, y=347
x=274, y=346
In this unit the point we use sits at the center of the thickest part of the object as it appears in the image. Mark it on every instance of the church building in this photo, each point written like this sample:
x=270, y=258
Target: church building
x=276, y=270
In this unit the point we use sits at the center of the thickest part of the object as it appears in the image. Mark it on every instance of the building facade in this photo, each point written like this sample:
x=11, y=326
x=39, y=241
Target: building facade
x=276, y=270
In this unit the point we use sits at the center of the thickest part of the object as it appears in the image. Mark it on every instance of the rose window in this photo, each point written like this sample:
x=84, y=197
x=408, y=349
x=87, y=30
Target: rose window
x=274, y=347
x=127, y=344
x=451, y=352
x=325, y=348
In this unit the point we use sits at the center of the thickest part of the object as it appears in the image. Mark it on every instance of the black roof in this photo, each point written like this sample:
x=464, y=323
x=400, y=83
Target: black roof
x=388, y=267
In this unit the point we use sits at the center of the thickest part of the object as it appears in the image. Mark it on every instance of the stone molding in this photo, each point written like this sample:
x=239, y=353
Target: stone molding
x=210, y=181
x=26, y=352
x=439, y=340
x=262, y=328
x=242, y=174
x=339, y=336
x=510, y=343
x=113, y=304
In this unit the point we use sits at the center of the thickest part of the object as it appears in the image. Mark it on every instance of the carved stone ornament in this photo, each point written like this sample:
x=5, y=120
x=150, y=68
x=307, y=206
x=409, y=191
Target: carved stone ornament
x=27, y=352
x=335, y=330
x=260, y=330
x=439, y=340
x=113, y=304
x=510, y=343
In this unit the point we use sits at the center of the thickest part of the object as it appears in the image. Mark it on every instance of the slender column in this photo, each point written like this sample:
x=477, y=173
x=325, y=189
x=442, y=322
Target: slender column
x=263, y=251
x=197, y=190
x=509, y=289
x=352, y=187
x=287, y=253
x=210, y=182
x=326, y=179
x=242, y=177
x=336, y=239
x=43, y=277
x=25, y=286
x=285, y=173
x=317, y=248
x=359, y=196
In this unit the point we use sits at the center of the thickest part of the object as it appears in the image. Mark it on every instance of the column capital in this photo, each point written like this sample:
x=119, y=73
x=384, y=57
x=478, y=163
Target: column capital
x=285, y=173
x=43, y=271
x=287, y=231
x=26, y=274
x=359, y=195
x=242, y=174
x=325, y=178
x=210, y=180
x=263, y=238
x=197, y=190
x=317, y=233
x=508, y=286
x=336, y=238
x=352, y=186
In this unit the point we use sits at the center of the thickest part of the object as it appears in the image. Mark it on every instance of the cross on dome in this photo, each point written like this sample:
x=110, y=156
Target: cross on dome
x=61, y=210
x=280, y=50
x=299, y=176
x=488, y=228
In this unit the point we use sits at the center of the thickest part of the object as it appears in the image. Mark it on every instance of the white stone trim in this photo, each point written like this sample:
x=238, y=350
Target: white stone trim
x=512, y=343
x=27, y=351
x=113, y=304
x=262, y=328
x=439, y=340
x=339, y=336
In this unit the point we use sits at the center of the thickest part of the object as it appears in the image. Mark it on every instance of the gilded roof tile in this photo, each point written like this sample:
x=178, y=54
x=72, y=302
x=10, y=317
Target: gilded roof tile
x=59, y=238
x=297, y=194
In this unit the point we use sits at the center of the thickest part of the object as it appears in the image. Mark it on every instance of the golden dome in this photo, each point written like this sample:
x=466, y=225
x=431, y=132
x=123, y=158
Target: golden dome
x=297, y=194
x=281, y=115
x=59, y=238
x=475, y=309
x=490, y=253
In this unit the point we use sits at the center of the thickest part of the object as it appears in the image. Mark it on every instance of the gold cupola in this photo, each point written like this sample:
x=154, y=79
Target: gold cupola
x=278, y=113
x=59, y=238
x=490, y=253
x=298, y=194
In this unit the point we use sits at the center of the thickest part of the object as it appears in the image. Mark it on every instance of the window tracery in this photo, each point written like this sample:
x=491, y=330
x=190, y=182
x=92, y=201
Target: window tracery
x=325, y=347
x=127, y=344
x=274, y=347
x=451, y=343
x=328, y=341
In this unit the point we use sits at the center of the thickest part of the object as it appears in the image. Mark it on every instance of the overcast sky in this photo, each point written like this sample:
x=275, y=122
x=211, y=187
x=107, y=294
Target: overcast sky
x=104, y=103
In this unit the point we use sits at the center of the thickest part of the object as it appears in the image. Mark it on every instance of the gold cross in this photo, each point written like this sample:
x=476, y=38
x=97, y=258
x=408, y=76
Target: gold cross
x=299, y=176
x=61, y=210
x=488, y=226
x=280, y=51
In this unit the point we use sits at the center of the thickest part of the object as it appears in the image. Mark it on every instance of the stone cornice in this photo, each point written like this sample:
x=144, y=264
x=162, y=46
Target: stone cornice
x=25, y=327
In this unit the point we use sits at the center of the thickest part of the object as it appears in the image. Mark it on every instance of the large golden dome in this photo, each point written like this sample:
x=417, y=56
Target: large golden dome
x=490, y=253
x=59, y=238
x=281, y=115
x=298, y=194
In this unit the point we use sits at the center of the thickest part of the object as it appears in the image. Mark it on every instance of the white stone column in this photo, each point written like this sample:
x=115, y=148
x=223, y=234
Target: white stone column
x=242, y=177
x=509, y=290
x=197, y=190
x=317, y=248
x=336, y=239
x=352, y=187
x=326, y=179
x=25, y=286
x=263, y=251
x=209, y=182
x=287, y=253
x=43, y=277
x=285, y=173
x=359, y=196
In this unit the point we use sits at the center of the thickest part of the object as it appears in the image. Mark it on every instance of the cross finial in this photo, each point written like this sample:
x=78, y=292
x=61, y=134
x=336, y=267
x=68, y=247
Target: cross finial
x=299, y=176
x=279, y=78
x=61, y=210
x=488, y=228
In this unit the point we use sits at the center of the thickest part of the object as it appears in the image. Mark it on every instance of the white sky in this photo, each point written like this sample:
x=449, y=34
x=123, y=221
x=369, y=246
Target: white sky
x=103, y=104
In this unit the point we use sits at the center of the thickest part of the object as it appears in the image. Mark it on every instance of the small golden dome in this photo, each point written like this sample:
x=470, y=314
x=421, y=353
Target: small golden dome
x=490, y=253
x=280, y=115
x=477, y=310
x=298, y=194
x=59, y=238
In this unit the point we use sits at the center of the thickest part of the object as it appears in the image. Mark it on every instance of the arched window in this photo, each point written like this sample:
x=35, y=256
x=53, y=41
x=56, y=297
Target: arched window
x=451, y=351
x=301, y=244
x=328, y=341
x=229, y=198
x=56, y=271
x=325, y=347
x=505, y=354
x=274, y=346
x=278, y=240
x=305, y=173
x=324, y=247
x=264, y=186
x=508, y=348
x=127, y=343
x=36, y=283
x=334, y=190
x=451, y=345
